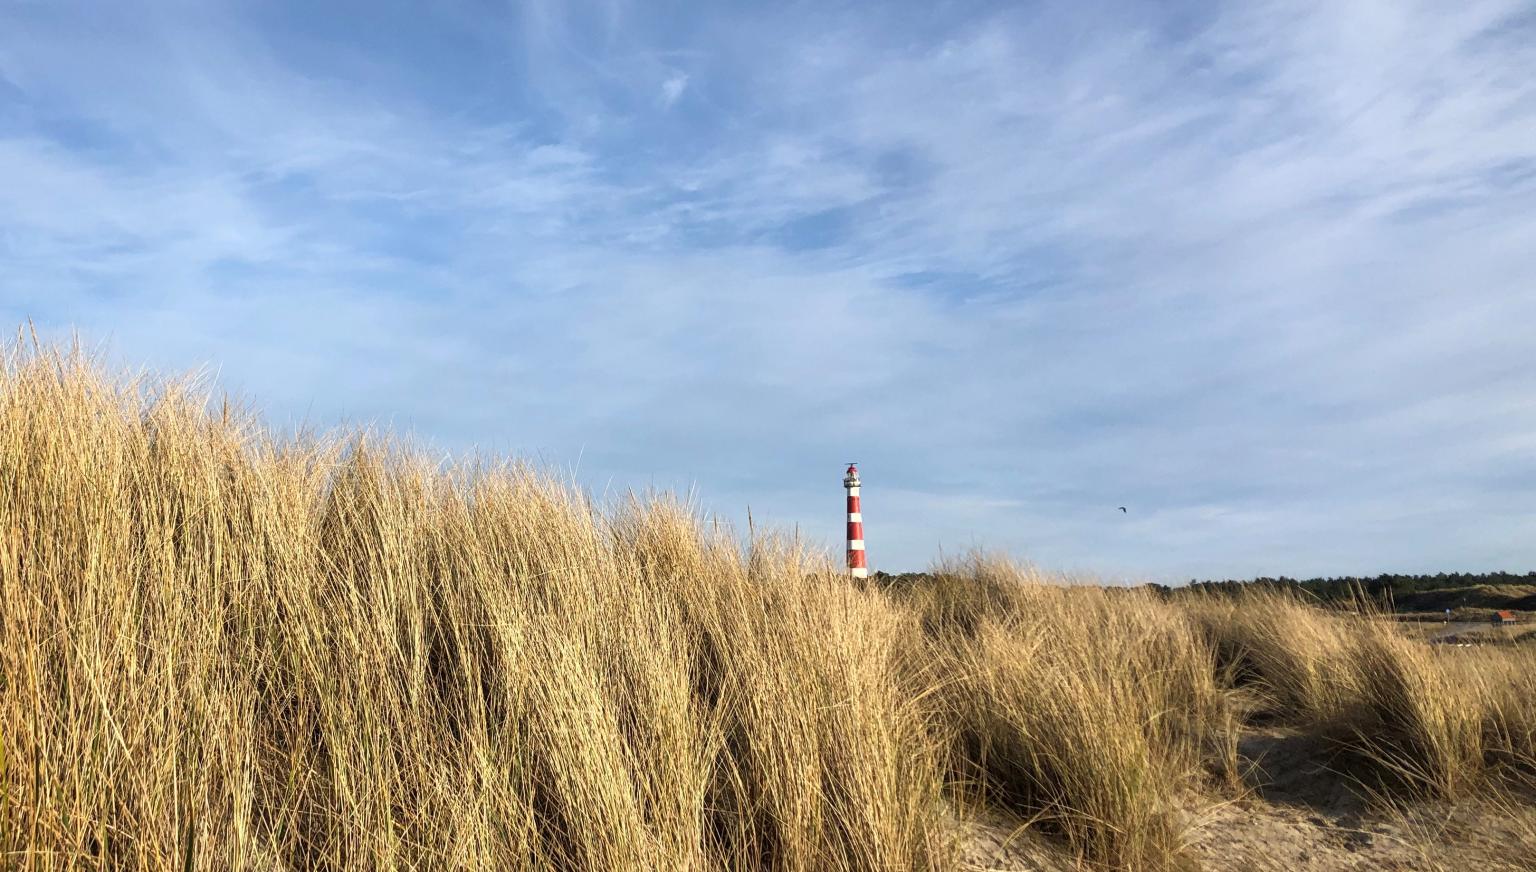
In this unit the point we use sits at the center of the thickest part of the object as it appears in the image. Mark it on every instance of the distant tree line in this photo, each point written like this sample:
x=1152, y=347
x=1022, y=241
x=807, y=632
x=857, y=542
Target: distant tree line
x=1348, y=586
x=1413, y=592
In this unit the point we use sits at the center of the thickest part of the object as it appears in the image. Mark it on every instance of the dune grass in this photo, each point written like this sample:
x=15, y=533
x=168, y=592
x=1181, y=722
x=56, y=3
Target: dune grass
x=1432, y=721
x=1088, y=710
x=222, y=649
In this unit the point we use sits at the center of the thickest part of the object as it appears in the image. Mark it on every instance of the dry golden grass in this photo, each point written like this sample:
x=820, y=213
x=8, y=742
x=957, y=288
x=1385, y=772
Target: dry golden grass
x=1432, y=720
x=1093, y=712
x=218, y=650
x=221, y=649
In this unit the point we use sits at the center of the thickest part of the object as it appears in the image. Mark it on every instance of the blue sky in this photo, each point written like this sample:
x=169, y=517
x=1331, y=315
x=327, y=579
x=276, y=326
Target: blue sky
x=1264, y=273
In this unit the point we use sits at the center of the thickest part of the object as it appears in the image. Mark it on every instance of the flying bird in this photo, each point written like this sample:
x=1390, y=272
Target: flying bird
x=1122, y=508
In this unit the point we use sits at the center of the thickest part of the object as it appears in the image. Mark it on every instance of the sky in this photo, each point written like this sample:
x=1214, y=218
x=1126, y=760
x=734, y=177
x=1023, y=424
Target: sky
x=1263, y=273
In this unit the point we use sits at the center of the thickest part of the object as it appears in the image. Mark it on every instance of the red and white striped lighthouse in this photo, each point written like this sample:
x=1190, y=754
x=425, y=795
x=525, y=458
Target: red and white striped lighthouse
x=857, y=567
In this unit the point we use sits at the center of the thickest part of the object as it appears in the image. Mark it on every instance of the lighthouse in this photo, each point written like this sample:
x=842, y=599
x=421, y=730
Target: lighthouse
x=857, y=567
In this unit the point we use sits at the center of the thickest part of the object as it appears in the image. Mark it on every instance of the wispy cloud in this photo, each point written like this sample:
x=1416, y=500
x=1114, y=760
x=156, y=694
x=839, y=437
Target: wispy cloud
x=1261, y=274
x=672, y=89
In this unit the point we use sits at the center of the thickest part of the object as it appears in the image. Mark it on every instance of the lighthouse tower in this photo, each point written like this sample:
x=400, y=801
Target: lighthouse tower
x=857, y=567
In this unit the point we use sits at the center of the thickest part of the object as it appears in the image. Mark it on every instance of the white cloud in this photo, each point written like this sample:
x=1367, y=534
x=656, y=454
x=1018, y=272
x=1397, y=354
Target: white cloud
x=673, y=88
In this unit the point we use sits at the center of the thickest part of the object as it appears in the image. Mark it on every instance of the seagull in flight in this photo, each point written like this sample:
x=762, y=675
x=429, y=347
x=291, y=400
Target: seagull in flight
x=1122, y=509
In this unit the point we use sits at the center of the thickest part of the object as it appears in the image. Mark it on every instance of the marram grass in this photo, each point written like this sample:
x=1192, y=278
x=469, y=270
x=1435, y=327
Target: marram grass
x=222, y=649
